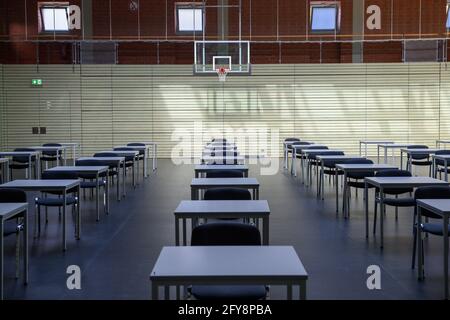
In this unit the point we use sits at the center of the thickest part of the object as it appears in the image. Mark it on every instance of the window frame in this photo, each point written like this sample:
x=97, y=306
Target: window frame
x=50, y=5
x=192, y=6
x=321, y=4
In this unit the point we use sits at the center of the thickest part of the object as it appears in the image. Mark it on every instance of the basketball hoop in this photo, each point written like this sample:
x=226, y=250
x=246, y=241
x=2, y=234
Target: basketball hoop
x=222, y=73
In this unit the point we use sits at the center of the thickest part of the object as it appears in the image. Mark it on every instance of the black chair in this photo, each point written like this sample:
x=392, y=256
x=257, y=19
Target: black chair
x=89, y=179
x=354, y=179
x=393, y=202
x=138, y=144
x=440, y=164
x=227, y=234
x=312, y=160
x=225, y=174
x=51, y=156
x=227, y=194
x=13, y=226
x=21, y=162
x=329, y=167
x=129, y=160
x=294, y=140
x=55, y=202
x=431, y=192
x=113, y=168
x=419, y=159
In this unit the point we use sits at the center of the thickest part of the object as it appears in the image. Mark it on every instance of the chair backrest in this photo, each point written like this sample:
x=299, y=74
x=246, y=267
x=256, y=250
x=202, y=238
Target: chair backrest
x=227, y=194
x=393, y=173
x=105, y=155
x=59, y=175
x=418, y=156
x=301, y=143
x=23, y=159
x=291, y=139
x=12, y=195
x=52, y=145
x=442, y=152
x=225, y=174
x=332, y=163
x=226, y=234
x=123, y=149
x=51, y=153
x=317, y=148
x=432, y=192
x=136, y=144
x=362, y=174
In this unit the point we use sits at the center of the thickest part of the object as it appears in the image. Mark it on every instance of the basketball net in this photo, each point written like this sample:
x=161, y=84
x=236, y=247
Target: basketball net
x=222, y=73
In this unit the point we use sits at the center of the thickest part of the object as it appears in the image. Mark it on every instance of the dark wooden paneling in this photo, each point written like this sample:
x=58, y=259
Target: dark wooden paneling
x=406, y=17
x=264, y=20
x=18, y=52
x=433, y=18
x=293, y=20
x=124, y=20
x=176, y=53
x=101, y=28
x=137, y=53
x=382, y=52
x=55, y=53
x=296, y=52
x=264, y=53
x=152, y=19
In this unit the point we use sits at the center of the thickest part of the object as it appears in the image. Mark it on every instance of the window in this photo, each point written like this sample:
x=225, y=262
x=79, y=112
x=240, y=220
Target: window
x=189, y=18
x=325, y=17
x=54, y=18
x=447, y=24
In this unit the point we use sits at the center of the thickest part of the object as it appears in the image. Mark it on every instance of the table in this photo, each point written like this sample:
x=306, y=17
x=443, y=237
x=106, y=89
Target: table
x=52, y=185
x=223, y=160
x=386, y=146
x=143, y=148
x=445, y=158
x=219, y=209
x=97, y=170
x=28, y=154
x=393, y=182
x=74, y=146
x=198, y=184
x=296, y=148
x=227, y=265
x=439, y=142
x=335, y=159
x=369, y=142
x=314, y=153
x=440, y=207
x=414, y=151
x=8, y=211
x=114, y=161
x=346, y=168
x=4, y=163
x=154, y=147
x=205, y=168
x=53, y=148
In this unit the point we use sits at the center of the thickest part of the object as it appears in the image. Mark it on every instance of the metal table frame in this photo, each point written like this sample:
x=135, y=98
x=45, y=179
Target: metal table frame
x=366, y=143
x=205, y=168
x=30, y=155
x=198, y=184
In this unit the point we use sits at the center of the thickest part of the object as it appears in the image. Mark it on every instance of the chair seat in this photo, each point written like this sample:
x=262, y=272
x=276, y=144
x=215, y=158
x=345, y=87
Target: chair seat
x=400, y=202
x=55, y=202
x=250, y=292
x=18, y=166
x=48, y=158
x=422, y=163
x=434, y=228
x=11, y=227
x=358, y=184
x=91, y=184
x=396, y=191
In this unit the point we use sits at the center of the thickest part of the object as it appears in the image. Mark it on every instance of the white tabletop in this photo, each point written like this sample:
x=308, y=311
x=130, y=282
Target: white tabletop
x=325, y=157
x=307, y=146
x=441, y=156
x=132, y=147
x=320, y=151
x=440, y=206
x=224, y=182
x=49, y=148
x=116, y=159
x=215, y=167
x=120, y=152
x=41, y=184
x=220, y=207
x=394, y=145
x=404, y=181
x=222, y=262
x=10, y=209
x=93, y=169
x=18, y=153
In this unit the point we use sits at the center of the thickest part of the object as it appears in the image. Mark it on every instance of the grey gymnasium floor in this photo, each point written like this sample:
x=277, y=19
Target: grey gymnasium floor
x=117, y=254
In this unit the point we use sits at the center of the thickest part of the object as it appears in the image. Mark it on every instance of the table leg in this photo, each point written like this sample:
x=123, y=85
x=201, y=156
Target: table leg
x=365, y=154
x=155, y=157
x=378, y=154
x=118, y=182
x=97, y=192
x=294, y=162
x=345, y=196
x=401, y=159
x=336, y=177
x=25, y=246
x=381, y=217
x=302, y=165
x=154, y=291
x=123, y=179
x=78, y=235
x=385, y=155
x=366, y=204
x=133, y=173
x=1, y=259
x=29, y=166
x=107, y=192
x=265, y=231
x=285, y=156
x=360, y=149
x=177, y=230
x=445, y=221
x=64, y=244
x=446, y=170
x=419, y=244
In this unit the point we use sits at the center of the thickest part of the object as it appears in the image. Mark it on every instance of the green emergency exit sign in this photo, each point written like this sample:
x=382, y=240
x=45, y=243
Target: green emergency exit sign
x=36, y=82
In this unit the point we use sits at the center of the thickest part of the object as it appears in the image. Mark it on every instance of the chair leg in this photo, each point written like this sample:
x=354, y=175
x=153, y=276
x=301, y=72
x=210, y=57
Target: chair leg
x=413, y=261
x=38, y=216
x=375, y=217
